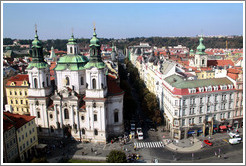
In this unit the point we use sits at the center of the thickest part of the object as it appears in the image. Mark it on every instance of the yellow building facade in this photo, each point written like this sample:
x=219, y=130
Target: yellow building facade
x=205, y=74
x=17, y=93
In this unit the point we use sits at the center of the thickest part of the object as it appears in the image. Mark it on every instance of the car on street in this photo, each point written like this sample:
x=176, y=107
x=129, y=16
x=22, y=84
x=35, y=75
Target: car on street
x=140, y=135
x=208, y=142
x=132, y=127
x=233, y=141
x=233, y=134
x=139, y=129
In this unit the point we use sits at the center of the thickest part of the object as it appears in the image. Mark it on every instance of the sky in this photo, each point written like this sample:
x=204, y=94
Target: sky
x=121, y=20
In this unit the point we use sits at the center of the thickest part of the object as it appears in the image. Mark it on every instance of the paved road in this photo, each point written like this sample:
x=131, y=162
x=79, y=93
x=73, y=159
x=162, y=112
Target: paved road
x=234, y=153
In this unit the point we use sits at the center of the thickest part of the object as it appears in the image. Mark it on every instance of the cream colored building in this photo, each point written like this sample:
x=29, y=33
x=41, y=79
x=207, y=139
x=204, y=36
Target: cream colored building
x=17, y=92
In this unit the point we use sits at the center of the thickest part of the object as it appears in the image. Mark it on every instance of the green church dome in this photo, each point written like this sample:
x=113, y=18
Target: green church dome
x=73, y=59
x=201, y=48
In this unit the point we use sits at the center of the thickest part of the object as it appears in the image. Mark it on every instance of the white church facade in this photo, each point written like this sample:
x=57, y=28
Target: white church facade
x=86, y=102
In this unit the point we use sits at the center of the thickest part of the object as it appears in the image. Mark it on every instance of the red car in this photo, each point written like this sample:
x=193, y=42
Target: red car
x=208, y=142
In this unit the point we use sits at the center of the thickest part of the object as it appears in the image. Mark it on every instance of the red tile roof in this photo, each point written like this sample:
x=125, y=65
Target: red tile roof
x=113, y=87
x=219, y=63
x=18, y=79
x=232, y=75
x=19, y=120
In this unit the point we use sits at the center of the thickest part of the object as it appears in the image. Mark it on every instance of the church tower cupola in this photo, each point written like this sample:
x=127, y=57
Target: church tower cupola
x=95, y=53
x=201, y=56
x=37, y=53
x=72, y=46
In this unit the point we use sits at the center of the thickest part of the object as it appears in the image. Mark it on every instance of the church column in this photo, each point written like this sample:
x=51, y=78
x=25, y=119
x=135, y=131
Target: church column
x=56, y=116
x=61, y=116
x=72, y=115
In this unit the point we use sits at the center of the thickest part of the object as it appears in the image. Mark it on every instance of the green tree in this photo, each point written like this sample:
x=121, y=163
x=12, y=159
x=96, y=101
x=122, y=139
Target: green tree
x=116, y=156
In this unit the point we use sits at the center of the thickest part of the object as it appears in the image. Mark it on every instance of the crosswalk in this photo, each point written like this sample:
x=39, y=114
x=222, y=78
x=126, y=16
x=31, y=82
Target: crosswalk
x=159, y=144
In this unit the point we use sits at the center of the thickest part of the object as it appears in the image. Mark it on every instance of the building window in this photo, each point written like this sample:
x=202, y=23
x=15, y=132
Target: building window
x=21, y=101
x=214, y=116
x=20, y=93
x=15, y=93
x=208, y=109
x=16, y=101
x=201, y=110
x=67, y=81
x=10, y=92
x=11, y=101
x=26, y=102
x=35, y=83
x=95, y=117
x=189, y=121
x=183, y=122
x=83, y=131
x=47, y=81
x=82, y=117
x=200, y=119
x=38, y=114
x=229, y=115
x=215, y=107
x=95, y=132
x=82, y=81
x=116, y=117
x=66, y=114
x=51, y=116
x=93, y=83
x=27, y=143
x=183, y=112
x=31, y=140
x=26, y=93
x=193, y=120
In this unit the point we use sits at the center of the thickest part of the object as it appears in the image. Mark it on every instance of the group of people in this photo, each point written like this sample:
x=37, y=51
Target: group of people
x=132, y=157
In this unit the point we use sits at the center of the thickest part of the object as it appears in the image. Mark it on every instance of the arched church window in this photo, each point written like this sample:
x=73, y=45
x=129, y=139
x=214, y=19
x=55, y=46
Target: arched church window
x=35, y=83
x=95, y=132
x=102, y=85
x=71, y=50
x=83, y=131
x=75, y=51
x=95, y=117
x=43, y=84
x=82, y=81
x=67, y=81
x=203, y=61
x=66, y=114
x=51, y=116
x=116, y=116
x=93, y=83
x=94, y=51
x=38, y=114
x=196, y=61
x=47, y=81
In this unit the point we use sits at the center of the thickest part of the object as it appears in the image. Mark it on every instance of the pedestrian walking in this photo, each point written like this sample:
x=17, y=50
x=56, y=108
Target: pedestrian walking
x=215, y=153
x=135, y=148
x=91, y=149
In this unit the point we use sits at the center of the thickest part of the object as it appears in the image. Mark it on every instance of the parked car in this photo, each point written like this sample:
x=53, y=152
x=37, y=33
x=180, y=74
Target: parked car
x=208, y=142
x=233, y=135
x=140, y=135
x=139, y=129
x=132, y=127
x=233, y=141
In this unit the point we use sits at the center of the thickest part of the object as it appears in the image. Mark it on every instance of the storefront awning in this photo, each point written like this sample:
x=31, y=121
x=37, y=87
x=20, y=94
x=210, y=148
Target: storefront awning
x=223, y=127
x=199, y=131
x=191, y=132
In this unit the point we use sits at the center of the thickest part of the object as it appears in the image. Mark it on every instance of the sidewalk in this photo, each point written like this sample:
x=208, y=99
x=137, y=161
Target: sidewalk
x=191, y=145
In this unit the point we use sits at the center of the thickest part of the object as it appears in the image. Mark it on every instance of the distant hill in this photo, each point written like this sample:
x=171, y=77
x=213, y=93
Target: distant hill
x=190, y=42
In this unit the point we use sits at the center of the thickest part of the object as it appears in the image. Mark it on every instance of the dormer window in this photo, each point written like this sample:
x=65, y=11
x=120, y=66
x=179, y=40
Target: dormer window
x=223, y=87
x=209, y=88
x=215, y=87
x=192, y=90
x=230, y=86
x=201, y=89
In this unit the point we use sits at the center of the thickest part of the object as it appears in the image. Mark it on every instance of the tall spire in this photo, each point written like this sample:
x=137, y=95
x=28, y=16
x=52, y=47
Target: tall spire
x=95, y=52
x=201, y=48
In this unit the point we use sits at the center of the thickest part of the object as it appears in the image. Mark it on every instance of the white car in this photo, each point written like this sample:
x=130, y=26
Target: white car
x=235, y=140
x=139, y=129
x=233, y=135
x=140, y=135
